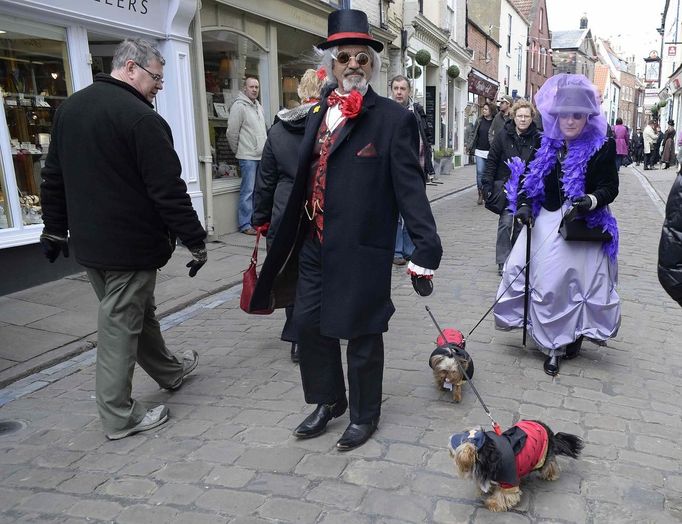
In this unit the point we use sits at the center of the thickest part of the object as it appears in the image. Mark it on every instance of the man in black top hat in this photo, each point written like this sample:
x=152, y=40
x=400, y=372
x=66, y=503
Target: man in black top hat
x=358, y=168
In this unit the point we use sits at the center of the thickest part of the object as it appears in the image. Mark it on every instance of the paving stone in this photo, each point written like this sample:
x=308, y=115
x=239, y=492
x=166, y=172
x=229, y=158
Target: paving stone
x=222, y=452
x=407, y=454
x=83, y=482
x=140, y=513
x=271, y=459
x=95, y=509
x=183, y=472
x=41, y=478
x=48, y=502
x=229, y=477
x=175, y=494
x=230, y=502
x=276, y=484
x=341, y=517
x=321, y=465
x=333, y=493
x=558, y=505
x=289, y=510
x=128, y=487
x=453, y=513
x=11, y=497
x=390, y=504
x=376, y=473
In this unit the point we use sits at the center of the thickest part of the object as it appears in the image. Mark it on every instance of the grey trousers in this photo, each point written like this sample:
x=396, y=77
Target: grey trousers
x=127, y=332
x=507, y=232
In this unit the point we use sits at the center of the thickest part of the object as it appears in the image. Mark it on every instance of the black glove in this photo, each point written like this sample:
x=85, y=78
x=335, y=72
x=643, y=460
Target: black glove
x=199, y=257
x=52, y=245
x=524, y=214
x=583, y=204
x=422, y=285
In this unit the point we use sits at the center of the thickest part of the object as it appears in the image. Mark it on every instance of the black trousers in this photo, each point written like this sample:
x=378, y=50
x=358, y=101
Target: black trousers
x=320, y=356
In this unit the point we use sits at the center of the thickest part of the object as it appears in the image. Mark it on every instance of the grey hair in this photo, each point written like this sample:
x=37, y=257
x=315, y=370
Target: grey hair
x=327, y=61
x=138, y=50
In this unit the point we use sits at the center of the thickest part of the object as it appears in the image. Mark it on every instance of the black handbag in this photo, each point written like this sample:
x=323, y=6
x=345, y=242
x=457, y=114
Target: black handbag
x=577, y=230
x=497, y=201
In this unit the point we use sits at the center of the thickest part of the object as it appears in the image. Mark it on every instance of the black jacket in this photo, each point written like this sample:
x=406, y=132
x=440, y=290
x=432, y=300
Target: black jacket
x=112, y=180
x=670, y=246
x=277, y=169
x=426, y=134
x=362, y=199
x=508, y=144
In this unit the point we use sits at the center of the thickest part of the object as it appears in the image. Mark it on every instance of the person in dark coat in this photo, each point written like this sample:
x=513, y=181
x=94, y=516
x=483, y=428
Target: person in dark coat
x=668, y=157
x=670, y=246
x=656, y=147
x=112, y=180
x=277, y=171
x=637, y=146
x=519, y=138
x=358, y=168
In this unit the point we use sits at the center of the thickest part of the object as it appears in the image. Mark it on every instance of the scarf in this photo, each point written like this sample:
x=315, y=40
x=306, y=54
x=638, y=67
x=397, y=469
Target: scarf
x=574, y=167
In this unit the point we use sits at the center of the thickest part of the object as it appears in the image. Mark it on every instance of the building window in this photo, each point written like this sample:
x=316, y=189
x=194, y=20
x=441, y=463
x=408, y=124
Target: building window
x=542, y=19
x=34, y=80
x=228, y=58
x=543, y=61
x=509, y=35
x=519, y=61
x=532, y=56
x=507, y=76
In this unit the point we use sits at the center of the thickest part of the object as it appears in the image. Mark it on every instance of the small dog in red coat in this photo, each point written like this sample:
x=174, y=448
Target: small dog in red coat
x=444, y=363
x=497, y=463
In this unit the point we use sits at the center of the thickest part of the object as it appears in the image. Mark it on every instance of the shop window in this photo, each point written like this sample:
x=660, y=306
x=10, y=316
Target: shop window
x=34, y=80
x=294, y=56
x=228, y=58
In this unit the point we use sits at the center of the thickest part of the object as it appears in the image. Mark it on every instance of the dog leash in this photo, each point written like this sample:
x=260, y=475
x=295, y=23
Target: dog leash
x=496, y=426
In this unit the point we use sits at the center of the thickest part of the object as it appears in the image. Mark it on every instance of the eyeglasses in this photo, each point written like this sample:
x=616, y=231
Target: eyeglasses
x=156, y=77
x=575, y=116
x=361, y=58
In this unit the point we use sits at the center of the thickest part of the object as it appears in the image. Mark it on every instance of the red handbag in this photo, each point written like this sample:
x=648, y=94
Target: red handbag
x=249, y=283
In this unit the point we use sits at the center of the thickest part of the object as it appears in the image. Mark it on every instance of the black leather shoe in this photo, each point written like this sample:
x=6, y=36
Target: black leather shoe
x=294, y=353
x=551, y=365
x=356, y=435
x=315, y=423
x=573, y=348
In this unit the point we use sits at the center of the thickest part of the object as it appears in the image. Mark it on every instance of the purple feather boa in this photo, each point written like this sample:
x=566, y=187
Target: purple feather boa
x=574, y=167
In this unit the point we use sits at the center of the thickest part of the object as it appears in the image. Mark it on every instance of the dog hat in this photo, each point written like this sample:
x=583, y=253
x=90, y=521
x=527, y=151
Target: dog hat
x=349, y=26
x=475, y=436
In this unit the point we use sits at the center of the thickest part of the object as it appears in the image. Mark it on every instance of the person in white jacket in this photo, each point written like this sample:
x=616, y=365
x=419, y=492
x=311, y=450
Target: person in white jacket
x=246, y=134
x=649, y=134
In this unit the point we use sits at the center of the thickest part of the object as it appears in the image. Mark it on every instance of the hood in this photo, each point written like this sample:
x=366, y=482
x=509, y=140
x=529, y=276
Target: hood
x=293, y=120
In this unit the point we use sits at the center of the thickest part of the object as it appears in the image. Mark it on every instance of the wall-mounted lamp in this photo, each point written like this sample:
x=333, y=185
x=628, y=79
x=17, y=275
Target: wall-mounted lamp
x=54, y=76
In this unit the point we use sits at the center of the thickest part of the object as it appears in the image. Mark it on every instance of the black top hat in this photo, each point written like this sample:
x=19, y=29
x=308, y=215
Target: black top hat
x=574, y=99
x=349, y=26
x=671, y=123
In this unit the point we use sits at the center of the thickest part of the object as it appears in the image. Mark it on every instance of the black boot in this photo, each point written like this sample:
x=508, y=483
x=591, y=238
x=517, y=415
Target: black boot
x=573, y=348
x=315, y=423
x=294, y=353
x=551, y=365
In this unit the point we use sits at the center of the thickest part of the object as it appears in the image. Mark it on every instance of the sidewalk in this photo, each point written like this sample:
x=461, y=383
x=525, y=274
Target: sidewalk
x=52, y=322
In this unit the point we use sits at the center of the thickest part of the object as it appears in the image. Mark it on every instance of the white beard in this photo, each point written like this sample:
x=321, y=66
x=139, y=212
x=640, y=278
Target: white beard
x=359, y=84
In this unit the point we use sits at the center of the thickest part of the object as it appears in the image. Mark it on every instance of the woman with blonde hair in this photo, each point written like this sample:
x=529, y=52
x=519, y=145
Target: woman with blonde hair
x=277, y=171
x=518, y=138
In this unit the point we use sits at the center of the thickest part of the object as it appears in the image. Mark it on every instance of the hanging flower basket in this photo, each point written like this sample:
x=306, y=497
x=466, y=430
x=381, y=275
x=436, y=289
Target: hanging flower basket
x=422, y=57
x=417, y=72
x=453, y=71
x=662, y=103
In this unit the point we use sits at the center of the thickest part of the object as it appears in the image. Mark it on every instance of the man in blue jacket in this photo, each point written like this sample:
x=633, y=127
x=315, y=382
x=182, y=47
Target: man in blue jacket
x=112, y=182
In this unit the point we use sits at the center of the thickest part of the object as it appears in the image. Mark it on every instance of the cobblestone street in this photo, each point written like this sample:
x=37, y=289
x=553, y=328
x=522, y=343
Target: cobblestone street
x=227, y=454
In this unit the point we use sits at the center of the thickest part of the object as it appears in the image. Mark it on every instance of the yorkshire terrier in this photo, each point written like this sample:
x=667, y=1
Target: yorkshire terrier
x=497, y=463
x=444, y=363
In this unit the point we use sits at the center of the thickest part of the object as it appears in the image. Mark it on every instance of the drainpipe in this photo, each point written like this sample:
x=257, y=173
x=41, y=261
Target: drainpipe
x=204, y=142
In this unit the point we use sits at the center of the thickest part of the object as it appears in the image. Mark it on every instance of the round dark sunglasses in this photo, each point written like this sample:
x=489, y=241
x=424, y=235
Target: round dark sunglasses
x=576, y=116
x=343, y=58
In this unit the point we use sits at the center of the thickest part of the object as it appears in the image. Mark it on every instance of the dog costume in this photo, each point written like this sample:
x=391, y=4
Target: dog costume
x=452, y=345
x=523, y=448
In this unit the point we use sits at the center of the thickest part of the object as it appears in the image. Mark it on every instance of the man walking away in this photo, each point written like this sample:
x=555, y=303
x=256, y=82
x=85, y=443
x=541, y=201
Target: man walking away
x=112, y=181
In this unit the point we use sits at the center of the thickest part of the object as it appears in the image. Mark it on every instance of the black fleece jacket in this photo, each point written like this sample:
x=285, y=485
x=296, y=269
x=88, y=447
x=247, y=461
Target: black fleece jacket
x=112, y=180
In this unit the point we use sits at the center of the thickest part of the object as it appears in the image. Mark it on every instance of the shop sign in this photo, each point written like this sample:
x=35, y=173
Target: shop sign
x=150, y=14
x=672, y=50
x=482, y=86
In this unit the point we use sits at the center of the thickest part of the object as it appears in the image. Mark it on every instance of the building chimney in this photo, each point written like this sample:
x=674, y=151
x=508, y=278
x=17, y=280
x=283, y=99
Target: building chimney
x=583, y=21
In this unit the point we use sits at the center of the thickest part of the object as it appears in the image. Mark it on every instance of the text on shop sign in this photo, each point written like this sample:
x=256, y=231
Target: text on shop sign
x=136, y=6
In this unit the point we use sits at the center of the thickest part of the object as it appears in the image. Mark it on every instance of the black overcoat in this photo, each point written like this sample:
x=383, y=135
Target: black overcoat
x=363, y=196
x=670, y=246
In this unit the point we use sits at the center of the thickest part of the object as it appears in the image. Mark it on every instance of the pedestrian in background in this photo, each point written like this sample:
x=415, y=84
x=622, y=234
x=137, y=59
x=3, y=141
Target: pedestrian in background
x=246, y=134
x=620, y=135
x=277, y=171
x=670, y=245
x=502, y=116
x=649, y=134
x=519, y=138
x=572, y=284
x=668, y=157
x=112, y=180
x=656, y=147
x=400, y=92
x=637, y=146
x=358, y=168
x=480, y=144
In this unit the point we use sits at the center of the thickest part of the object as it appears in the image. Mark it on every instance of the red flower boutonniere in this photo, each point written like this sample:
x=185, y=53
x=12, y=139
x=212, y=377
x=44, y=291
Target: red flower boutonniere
x=352, y=104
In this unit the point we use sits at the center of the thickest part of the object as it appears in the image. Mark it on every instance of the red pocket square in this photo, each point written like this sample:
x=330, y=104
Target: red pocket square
x=369, y=151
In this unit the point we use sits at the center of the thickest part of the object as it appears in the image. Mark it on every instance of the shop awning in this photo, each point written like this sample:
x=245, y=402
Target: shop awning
x=482, y=84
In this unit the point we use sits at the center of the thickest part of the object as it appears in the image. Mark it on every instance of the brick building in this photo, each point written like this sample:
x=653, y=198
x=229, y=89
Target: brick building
x=484, y=62
x=539, y=65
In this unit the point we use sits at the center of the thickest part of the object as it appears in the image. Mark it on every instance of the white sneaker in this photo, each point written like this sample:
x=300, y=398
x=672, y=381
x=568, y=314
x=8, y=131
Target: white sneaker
x=153, y=418
x=190, y=360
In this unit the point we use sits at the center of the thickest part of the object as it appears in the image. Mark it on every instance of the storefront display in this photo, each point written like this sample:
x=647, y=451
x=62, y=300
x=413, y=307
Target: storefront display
x=33, y=83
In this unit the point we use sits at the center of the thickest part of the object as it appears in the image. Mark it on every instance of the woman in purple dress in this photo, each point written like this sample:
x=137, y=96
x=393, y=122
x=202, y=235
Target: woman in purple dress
x=572, y=284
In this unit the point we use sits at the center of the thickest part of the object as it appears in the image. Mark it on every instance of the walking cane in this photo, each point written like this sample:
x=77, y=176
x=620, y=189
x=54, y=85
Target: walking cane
x=526, y=294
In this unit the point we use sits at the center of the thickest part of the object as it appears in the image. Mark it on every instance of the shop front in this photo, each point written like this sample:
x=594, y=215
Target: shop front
x=273, y=41
x=46, y=53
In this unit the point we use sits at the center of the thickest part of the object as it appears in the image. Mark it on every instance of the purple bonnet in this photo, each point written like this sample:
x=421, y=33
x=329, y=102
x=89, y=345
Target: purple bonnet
x=568, y=93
